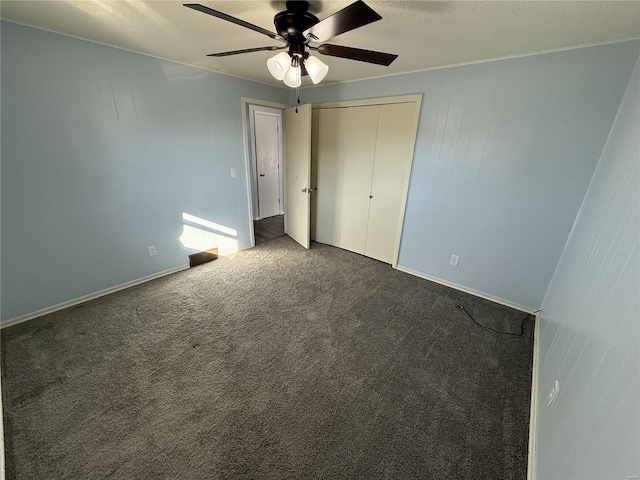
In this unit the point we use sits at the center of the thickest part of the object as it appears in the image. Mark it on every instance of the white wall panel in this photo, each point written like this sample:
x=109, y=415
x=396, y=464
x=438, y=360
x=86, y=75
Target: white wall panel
x=590, y=323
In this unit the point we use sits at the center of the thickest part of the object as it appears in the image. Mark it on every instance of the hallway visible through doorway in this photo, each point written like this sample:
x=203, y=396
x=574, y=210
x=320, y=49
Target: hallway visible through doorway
x=268, y=228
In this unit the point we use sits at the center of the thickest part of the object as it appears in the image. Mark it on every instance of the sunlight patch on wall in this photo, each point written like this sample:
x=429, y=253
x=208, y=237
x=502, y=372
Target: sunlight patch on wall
x=200, y=234
x=209, y=224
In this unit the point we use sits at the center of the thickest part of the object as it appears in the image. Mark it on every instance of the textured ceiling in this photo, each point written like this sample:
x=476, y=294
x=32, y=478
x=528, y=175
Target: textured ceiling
x=424, y=34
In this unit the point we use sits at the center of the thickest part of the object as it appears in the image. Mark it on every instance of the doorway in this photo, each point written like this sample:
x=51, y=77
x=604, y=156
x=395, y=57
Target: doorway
x=266, y=172
x=266, y=155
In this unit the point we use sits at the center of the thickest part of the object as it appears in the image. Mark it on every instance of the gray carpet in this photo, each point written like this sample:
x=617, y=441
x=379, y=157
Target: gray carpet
x=279, y=363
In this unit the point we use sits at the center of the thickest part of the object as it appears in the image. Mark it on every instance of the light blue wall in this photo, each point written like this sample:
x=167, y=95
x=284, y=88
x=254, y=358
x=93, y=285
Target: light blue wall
x=590, y=323
x=504, y=155
x=102, y=151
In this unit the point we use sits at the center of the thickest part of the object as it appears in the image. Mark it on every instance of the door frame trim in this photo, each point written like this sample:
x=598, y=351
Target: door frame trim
x=245, y=102
x=415, y=98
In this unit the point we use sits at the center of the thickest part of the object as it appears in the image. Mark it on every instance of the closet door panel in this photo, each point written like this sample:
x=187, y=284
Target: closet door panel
x=346, y=148
x=392, y=167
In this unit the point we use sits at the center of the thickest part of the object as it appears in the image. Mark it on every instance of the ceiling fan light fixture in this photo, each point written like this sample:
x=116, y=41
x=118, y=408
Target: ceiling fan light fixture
x=297, y=27
x=278, y=65
x=293, y=77
x=316, y=69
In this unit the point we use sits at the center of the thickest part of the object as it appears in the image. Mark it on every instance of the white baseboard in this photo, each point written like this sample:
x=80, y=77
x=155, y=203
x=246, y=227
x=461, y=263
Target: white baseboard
x=531, y=461
x=91, y=296
x=471, y=291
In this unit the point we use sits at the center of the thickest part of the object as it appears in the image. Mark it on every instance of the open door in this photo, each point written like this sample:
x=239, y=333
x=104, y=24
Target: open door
x=296, y=142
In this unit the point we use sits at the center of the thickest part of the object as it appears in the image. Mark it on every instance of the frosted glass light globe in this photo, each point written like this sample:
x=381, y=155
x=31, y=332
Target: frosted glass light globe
x=316, y=69
x=293, y=77
x=278, y=65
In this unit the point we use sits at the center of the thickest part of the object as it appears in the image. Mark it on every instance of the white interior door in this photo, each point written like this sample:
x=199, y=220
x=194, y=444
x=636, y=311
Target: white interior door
x=346, y=148
x=267, y=163
x=391, y=170
x=296, y=142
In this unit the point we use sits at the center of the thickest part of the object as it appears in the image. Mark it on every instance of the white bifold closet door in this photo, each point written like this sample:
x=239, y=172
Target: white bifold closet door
x=363, y=163
x=346, y=146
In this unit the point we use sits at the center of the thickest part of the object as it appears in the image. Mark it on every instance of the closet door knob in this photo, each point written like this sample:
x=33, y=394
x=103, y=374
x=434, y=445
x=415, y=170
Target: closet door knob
x=262, y=174
x=370, y=196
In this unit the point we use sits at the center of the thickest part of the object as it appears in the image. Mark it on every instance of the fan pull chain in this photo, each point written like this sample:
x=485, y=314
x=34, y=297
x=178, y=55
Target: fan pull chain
x=298, y=75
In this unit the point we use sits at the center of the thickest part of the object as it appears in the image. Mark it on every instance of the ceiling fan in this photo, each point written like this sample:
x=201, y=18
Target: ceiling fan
x=297, y=28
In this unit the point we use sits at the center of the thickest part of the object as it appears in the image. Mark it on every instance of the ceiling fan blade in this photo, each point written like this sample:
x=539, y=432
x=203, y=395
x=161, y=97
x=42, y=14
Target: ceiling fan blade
x=353, y=16
x=229, y=18
x=368, y=56
x=246, y=50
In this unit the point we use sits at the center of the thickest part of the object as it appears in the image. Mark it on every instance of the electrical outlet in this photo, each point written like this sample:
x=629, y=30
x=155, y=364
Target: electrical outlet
x=553, y=393
x=233, y=172
x=454, y=260
x=152, y=250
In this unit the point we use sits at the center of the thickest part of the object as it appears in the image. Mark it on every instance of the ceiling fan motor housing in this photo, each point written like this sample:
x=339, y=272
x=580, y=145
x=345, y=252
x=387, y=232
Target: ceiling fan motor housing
x=291, y=23
x=294, y=20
